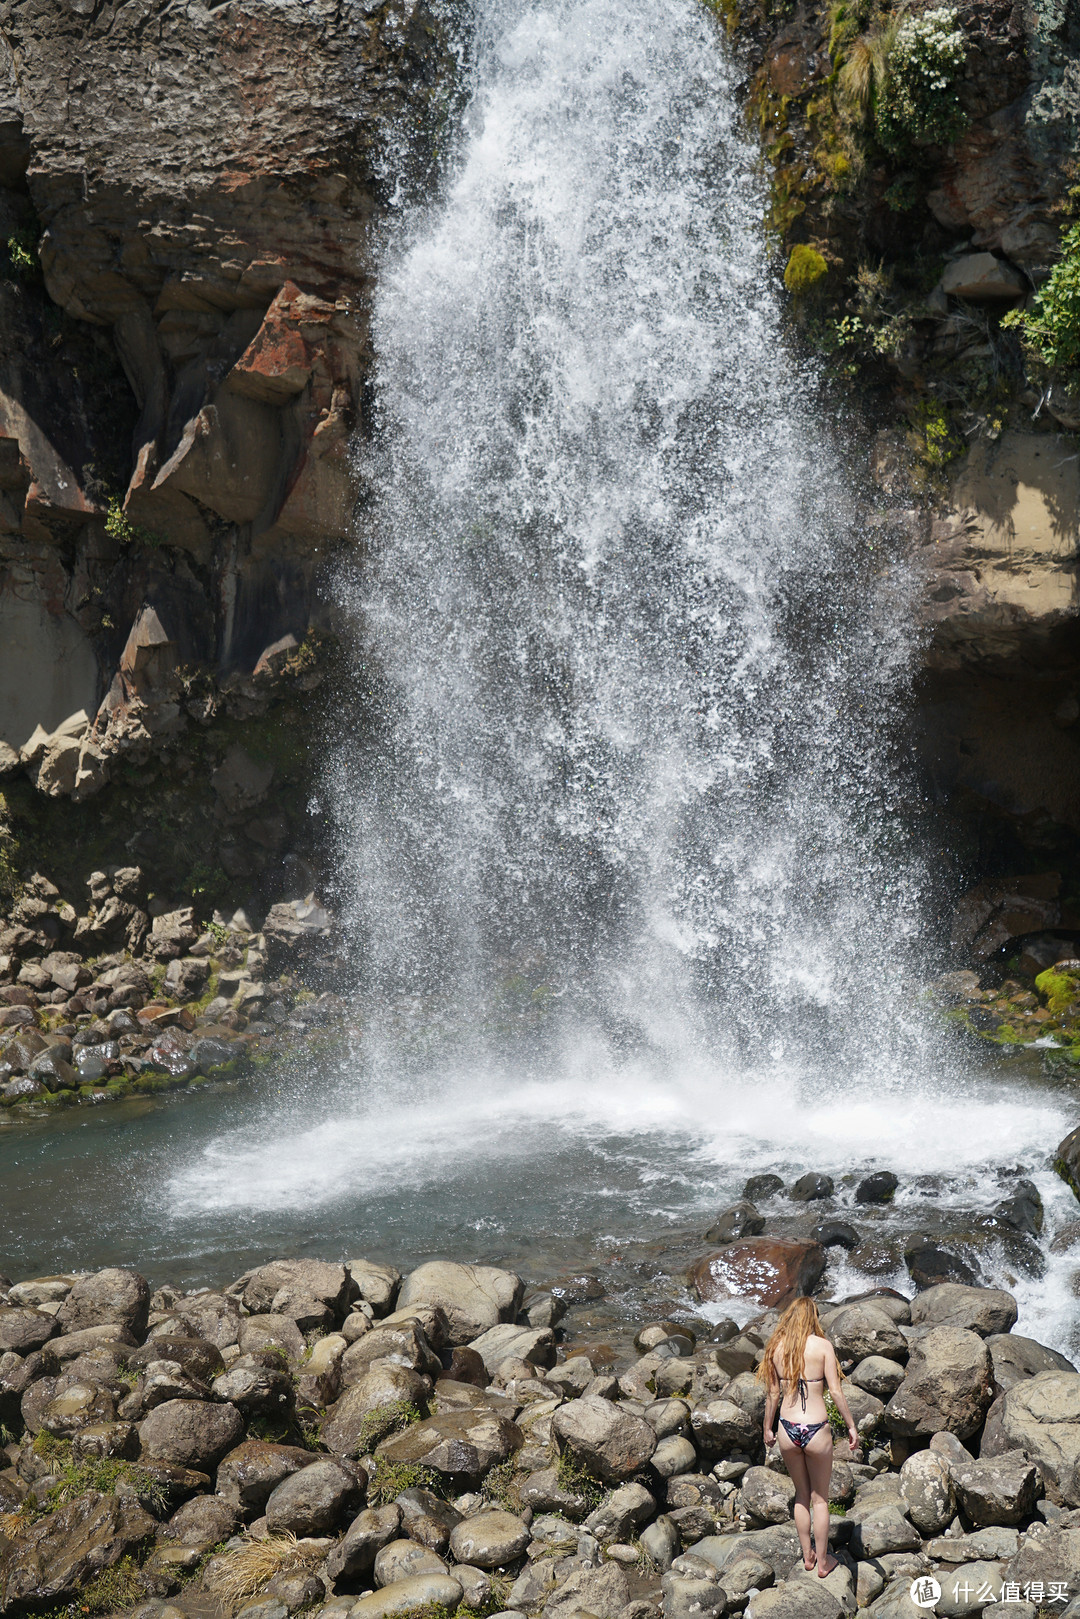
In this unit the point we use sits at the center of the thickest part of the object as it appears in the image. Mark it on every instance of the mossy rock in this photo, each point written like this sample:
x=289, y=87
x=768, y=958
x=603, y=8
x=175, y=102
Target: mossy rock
x=1058, y=990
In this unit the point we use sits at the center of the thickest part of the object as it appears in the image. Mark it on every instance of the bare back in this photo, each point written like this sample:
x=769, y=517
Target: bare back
x=806, y=1401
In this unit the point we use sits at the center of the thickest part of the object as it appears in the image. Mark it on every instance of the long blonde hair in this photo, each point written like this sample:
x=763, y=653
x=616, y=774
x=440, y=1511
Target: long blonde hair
x=799, y=1322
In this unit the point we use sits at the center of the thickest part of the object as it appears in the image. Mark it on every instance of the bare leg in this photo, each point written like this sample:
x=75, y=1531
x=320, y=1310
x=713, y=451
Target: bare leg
x=796, y=1466
x=818, y=1458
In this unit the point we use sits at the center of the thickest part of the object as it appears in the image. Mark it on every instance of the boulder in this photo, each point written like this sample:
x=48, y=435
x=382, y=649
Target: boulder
x=673, y=1455
x=722, y=1428
x=982, y=278
x=692, y=1593
x=378, y=1284
x=354, y=1556
x=1051, y=1556
x=300, y=1278
x=270, y=1332
x=881, y=1529
x=930, y=1262
x=489, y=1540
x=1041, y=1417
x=313, y=1500
x=119, y=1298
x=191, y=1433
x=797, y=1599
x=766, y=1496
x=948, y=1386
x=352, y=1426
x=984, y=1310
x=255, y=1388
x=425, y=1591
x=404, y=1560
x=48, y=1562
x=878, y=1376
x=426, y=1519
x=835, y=1234
x=600, y=1591
x=877, y=1188
x=461, y=1442
x=205, y=1520
x=740, y=1220
x=999, y=1489
x=859, y=1330
x=811, y=1187
x=213, y=1316
x=608, y=1442
x=927, y=1488
x=1067, y=1160
x=769, y=1270
x=504, y=1342
x=248, y=1475
x=620, y=1514
x=404, y=1344
x=76, y=1406
x=474, y=1297
x=22, y=1329
x=661, y=1541
x=1016, y=1358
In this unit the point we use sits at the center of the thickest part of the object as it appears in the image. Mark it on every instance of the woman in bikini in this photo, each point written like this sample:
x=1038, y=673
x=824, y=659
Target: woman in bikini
x=798, y=1365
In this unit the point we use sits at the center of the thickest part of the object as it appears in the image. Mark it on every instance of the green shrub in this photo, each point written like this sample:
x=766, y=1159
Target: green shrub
x=917, y=105
x=1051, y=327
x=805, y=268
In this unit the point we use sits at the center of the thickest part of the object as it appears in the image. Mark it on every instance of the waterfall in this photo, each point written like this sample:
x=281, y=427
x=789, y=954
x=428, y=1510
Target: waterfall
x=631, y=653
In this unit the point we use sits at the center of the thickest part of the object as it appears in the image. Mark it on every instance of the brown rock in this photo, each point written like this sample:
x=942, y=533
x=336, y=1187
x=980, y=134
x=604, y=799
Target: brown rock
x=119, y=1298
x=248, y=1475
x=191, y=1433
x=50, y=1561
x=769, y=1270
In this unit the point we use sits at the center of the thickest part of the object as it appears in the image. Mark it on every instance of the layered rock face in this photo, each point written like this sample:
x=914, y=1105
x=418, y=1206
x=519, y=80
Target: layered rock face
x=188, y=197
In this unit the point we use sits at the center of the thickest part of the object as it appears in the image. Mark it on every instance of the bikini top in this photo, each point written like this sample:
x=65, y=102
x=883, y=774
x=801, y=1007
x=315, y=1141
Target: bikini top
x=800, y=1387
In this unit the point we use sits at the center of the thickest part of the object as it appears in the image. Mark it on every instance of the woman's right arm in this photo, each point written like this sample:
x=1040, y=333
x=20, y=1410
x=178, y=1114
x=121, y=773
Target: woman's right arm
x=832, y=1377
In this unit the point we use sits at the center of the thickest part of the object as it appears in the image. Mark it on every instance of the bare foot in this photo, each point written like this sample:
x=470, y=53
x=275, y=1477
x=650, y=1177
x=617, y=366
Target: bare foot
x=809, y=1566
x=826, y=1568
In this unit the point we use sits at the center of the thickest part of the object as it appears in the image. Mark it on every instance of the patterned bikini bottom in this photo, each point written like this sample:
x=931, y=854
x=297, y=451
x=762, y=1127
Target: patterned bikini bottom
x=801, y=1433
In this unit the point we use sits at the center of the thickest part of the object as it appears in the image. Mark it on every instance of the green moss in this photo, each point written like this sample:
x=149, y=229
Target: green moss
x=574, y=1479
x=805, y=268
x=390, y=1478
x=386, y=1420
x=1058, y=990
x=114, y=1590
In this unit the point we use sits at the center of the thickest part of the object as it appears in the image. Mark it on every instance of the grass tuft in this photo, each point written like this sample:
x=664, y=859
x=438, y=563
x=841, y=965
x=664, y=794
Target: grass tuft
x=245, y=1570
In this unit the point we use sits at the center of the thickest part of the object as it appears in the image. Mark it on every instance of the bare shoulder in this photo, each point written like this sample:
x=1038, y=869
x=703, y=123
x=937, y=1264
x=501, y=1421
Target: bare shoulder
x=820, y=1346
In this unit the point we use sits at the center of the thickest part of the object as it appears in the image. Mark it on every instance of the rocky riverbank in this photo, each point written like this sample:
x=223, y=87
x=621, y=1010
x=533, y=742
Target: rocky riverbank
x=338, y=1439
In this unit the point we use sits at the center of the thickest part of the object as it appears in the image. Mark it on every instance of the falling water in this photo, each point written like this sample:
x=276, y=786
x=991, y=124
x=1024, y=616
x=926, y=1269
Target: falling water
x=635, y=652
x=624, y=830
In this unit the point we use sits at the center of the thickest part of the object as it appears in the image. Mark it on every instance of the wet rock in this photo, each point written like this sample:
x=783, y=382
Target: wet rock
x=50, y=1069
x=1067, y=1160
x=759, y=1187
x=835, y=1234
x=77, y=1406
x=349, y=1430
x=809, y=1188
x=191, y=1433
x=947, y=1386
x=1022, y=1210
x=740, y=1220
x=22, y=1330
x=109, y=1298
x=51, y=1560
x=354, y=1556
x=489, y=1540
x=313, y=1500
x=474, y=1297
x=465, y=1442
x=466, y=1366
x=929, y=1263
x=1041, y=1418
x=877, y=1188
x=927, y=1488
x=769, y=1270
x=984, y=1310
x=608, y=1442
